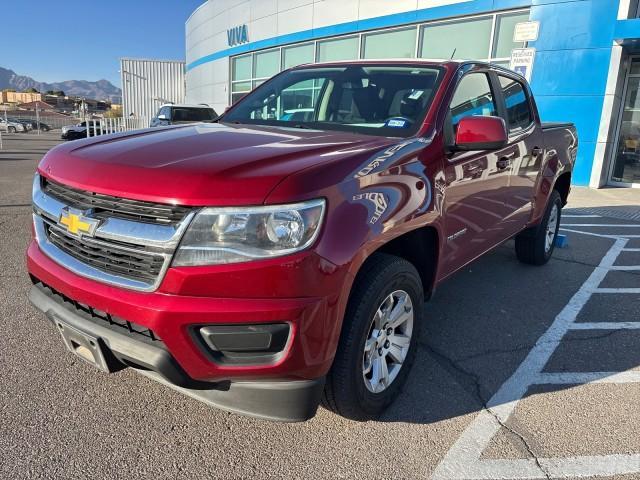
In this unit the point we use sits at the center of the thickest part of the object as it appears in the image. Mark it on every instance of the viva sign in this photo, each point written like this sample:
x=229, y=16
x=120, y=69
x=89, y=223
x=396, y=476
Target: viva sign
x=237, y=35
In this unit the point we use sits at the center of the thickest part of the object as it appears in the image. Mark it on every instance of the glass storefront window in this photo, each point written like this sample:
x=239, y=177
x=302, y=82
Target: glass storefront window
x=293, y=56
x=626, y=167
x=467, y=39
x=505, y=25
x=339, y=49
x=240, y=86
x=267, y=64
x=393, y=44
x=237, y=96
x=241, y=68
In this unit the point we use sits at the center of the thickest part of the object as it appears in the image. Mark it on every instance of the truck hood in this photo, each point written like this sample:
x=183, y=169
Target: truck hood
x=202, y=164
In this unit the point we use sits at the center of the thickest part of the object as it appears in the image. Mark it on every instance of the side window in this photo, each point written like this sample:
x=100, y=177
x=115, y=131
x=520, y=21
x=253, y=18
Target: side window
x=473, y=96
x=519, y=114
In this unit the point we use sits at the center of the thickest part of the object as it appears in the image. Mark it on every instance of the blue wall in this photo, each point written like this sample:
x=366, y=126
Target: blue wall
x=569, y=78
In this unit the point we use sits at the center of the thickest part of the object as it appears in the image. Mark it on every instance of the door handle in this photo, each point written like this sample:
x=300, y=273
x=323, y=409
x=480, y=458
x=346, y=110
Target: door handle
x=536, y=151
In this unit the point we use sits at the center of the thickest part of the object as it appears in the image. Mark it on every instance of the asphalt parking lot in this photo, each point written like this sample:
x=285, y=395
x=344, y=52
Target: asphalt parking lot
x=522, y=372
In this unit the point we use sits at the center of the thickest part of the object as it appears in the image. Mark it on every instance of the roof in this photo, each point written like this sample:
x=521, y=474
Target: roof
x=37, y=104
x=390, y=61
x=186, y=105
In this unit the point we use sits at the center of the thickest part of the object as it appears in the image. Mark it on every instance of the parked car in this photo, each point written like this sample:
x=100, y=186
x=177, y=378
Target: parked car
x=25, y=123
x=34, y=125
x=171, y=114
x=262, y=264
x=10, y=126
x=74, y=132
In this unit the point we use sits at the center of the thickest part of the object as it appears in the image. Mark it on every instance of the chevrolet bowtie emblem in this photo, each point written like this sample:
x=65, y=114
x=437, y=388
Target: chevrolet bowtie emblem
x=76, y=223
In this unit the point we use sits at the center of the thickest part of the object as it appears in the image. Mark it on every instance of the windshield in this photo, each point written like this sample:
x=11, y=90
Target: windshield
x=189, y=114
x=372, y=99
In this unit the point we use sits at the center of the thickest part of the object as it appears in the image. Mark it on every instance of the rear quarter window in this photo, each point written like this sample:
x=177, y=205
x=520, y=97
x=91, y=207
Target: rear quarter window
x=519, y=114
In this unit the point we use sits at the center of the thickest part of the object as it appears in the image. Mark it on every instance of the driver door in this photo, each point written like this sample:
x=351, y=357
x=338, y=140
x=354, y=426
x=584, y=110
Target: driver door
x=473, y=204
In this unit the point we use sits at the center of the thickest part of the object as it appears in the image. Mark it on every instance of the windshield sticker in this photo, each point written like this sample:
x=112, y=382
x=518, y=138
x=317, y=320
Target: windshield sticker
x=397, y=123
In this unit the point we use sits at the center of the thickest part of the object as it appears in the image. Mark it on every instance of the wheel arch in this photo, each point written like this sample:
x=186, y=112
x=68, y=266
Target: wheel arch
x=563, y=186
x=420, y=247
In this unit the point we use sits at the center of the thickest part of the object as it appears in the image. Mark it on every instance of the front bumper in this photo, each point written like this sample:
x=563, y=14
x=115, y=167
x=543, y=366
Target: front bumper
x=184, y=302
x=285, y=400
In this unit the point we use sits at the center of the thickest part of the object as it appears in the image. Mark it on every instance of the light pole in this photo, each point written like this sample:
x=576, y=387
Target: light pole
x=38, y=116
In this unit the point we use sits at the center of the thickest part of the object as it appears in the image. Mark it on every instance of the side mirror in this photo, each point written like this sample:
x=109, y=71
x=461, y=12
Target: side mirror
x=162, y=117
x=481, y=133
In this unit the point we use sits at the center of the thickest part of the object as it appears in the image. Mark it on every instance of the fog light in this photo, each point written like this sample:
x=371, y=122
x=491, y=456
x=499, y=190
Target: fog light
x=246, y=344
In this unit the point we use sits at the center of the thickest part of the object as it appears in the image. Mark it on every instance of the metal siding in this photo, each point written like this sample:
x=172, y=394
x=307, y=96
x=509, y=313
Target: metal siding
x=147, y=84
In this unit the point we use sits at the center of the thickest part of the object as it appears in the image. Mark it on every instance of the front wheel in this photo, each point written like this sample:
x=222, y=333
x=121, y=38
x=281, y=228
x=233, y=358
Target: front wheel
x=379, y=339
x=11, y=130
x=535, y=245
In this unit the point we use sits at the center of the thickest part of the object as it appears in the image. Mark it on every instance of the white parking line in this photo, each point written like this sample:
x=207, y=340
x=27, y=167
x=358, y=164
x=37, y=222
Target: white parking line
x=624, y=225
x=605, y=326
x=616, y=290
x=564, y=215
x=463, y=460
x=601, y=235
x=579, y=378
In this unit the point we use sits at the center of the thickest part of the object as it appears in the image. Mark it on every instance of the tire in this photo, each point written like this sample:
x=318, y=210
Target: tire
x=349, y=391
x=535, y=245
x=11, y=129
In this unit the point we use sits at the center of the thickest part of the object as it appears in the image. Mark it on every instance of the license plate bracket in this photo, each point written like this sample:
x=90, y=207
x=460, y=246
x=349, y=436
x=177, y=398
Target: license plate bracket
x=87, y=347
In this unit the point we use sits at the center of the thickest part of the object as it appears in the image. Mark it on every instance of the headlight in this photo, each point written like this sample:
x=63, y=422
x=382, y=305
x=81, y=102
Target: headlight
x=232, y=235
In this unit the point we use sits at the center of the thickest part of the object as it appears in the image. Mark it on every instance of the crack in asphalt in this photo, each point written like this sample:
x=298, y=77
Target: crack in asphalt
x=479, y=396
x=520, y=348
x=15, y=205
x=477, y=387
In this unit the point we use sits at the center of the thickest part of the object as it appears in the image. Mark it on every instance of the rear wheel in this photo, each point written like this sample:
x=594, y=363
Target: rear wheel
x=378, y=342
x=535, y=245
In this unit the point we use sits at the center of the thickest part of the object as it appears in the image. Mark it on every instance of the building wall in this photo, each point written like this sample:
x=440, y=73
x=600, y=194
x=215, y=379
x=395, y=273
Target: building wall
x=19, y=97
x=576, y=74
x=147, y=84
x=573, y=54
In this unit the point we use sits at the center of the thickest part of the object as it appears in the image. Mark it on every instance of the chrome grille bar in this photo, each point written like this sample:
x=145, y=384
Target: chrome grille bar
x=126, y=253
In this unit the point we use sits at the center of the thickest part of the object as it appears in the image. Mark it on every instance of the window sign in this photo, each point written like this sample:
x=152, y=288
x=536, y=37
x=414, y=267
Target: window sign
x=522, y=61
x=526, y=31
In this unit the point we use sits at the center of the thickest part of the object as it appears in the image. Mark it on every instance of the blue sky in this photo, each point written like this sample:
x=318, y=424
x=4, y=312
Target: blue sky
x=83, y=40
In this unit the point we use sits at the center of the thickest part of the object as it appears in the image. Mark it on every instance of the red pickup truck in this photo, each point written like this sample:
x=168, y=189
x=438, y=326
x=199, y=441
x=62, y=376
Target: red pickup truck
x=280, y=256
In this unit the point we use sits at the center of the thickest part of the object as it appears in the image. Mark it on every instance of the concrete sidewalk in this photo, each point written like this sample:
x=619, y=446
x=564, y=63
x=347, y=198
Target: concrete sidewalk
x=609, y=202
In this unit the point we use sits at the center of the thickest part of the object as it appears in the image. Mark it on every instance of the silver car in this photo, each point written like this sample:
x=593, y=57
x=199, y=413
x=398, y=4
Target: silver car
x=11, y=127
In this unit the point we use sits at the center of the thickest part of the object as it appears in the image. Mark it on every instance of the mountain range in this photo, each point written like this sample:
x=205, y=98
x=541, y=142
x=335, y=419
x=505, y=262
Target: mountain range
x=100, y=90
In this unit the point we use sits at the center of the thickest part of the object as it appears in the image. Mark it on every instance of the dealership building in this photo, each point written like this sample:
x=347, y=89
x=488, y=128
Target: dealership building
x=578, y=55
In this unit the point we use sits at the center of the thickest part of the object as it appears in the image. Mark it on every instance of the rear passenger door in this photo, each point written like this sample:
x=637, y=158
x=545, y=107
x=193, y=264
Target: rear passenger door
x=524, y=155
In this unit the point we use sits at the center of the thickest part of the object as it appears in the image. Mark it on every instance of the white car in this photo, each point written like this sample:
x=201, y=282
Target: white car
x=11, y=127
x=74, y=132
x=171, y=114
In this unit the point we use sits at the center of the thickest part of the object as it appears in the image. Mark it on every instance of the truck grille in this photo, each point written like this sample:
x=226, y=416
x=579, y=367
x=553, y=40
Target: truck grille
x=105, y=206
x=98, y=316
x=125, y=261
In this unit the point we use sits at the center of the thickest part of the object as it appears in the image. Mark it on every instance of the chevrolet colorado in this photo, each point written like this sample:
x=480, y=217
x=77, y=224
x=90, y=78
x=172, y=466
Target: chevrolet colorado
x=268, y=262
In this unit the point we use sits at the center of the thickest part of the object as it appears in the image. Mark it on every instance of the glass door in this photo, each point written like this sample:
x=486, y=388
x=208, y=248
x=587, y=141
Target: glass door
x=626, y=164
